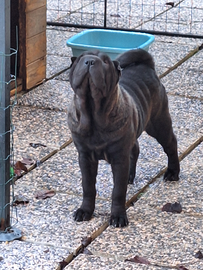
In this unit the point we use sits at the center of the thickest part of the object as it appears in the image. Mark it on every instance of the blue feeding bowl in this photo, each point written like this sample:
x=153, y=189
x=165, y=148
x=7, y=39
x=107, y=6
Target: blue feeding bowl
x=111, y=42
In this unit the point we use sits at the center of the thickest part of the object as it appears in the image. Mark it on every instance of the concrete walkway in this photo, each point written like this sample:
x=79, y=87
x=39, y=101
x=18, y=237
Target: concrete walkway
x=51, y=238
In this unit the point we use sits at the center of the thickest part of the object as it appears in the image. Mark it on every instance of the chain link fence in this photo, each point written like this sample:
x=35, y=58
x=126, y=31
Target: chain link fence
x=181, y=17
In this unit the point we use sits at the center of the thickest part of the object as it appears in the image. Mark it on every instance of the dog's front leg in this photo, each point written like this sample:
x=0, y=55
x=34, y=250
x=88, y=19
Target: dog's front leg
x=88, y=169
x=120, y=169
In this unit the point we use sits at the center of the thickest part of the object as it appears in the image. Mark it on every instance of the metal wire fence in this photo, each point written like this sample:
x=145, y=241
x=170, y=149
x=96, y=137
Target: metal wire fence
x=6, y=151
x=7, y=211
x=181, y=17
x=8, y=214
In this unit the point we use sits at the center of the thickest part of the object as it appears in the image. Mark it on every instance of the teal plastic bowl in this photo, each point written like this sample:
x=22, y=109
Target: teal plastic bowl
x=111, y=42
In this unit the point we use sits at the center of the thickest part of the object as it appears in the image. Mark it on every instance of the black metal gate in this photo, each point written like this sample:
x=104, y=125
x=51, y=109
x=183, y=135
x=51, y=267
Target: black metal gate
x=181, y=17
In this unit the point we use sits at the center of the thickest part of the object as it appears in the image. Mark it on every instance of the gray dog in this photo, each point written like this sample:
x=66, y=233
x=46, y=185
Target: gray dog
x=114, y=102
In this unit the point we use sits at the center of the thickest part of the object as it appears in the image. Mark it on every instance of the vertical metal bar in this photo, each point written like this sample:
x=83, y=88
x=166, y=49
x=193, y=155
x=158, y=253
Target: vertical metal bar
x=4, y=114
x=105, y=12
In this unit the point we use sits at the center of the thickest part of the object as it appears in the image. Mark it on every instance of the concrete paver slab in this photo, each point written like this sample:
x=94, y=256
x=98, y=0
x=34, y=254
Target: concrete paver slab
x=104, y=263
x=188, y=190
x=187, y=120
x=55, y=64
x=56, y=41
x=61, y=172
x=19, y=255
x=38, y=126
x=53, y=95
x=50, y=221
x=187, y=78
x=168, y=52
x=163, y=238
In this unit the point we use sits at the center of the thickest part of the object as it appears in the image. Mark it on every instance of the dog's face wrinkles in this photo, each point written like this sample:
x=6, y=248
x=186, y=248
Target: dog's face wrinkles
x=92, y=72
x=94, y=78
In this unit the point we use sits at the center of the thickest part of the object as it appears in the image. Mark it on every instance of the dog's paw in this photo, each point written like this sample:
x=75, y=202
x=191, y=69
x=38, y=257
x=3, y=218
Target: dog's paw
x=81, y=215
x=131, y=180
x=131, y=176
x=118, y=221
x=170, y=175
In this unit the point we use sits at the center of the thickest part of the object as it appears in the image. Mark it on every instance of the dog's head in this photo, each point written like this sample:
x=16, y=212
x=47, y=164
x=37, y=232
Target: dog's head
x=95, y=73
x=93, y=78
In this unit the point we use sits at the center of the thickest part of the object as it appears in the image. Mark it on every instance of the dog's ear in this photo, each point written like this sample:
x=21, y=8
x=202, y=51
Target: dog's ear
x=117, y=66
x=73, y=58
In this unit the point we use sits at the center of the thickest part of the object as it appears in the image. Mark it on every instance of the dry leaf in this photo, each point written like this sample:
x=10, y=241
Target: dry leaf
x=172, y=207
x=19, y=199
x=170, y=4
x=181, y=267
x=115, y=15
x=35, y=145
x=45, y=193
x=18, y=167
x=138, y=259
x=199, y=255
x=86, y=241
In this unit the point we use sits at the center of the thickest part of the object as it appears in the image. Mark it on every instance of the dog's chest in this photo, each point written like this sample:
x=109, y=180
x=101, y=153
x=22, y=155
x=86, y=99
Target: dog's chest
x=98, y=147
x=100, y=154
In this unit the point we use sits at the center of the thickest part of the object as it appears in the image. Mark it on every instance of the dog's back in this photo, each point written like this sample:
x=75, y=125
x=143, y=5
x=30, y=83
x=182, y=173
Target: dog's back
x=140, y=80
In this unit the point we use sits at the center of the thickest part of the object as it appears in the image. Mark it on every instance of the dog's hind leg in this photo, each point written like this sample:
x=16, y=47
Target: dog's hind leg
x=161, y=129
x=133, y=162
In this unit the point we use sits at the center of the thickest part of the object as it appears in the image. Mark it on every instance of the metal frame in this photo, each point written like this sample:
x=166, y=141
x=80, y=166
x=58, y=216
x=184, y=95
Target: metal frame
x=161, y=33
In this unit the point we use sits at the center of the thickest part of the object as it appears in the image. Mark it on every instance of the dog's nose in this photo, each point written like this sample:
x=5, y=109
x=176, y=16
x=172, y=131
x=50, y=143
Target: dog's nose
x=89, y=62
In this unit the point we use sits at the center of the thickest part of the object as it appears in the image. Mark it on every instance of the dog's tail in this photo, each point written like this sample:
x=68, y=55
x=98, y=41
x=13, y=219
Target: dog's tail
x=135, y=57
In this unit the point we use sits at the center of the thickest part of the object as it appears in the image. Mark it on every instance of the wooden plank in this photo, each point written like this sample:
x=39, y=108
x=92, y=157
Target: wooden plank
x=13, y=87
x=36, y=72
x=36, y=48
x=34, y=4
x=13, y=84
x=35, y=22
x=13, y=91
x=32, y=42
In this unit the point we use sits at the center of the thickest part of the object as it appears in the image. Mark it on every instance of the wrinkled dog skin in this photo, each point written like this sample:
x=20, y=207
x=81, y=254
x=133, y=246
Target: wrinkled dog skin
x=110, y=110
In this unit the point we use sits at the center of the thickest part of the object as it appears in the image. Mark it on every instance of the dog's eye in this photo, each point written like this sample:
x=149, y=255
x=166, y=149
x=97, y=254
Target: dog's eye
x=106, y=61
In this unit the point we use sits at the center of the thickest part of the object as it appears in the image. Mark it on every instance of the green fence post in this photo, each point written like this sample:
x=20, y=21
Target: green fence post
x=4, y=114
x=7, y=233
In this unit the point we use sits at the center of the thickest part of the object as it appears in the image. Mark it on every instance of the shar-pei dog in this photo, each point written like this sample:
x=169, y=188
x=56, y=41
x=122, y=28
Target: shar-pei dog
x=113, y=103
